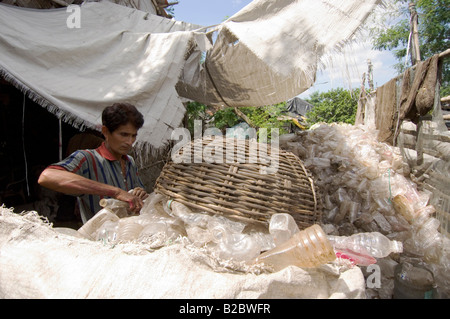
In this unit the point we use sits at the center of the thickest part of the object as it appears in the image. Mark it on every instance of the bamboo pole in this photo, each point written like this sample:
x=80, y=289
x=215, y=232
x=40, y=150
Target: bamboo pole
x=370, y=74
x=243, y=116
x=444, y=54
x=441, y=56
x=415, y=50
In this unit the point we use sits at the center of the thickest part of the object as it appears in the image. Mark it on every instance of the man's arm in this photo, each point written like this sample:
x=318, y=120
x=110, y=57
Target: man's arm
x=72, y=184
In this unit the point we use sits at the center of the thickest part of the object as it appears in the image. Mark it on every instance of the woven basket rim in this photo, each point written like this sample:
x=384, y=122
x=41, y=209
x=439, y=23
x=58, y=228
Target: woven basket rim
x=239, y=191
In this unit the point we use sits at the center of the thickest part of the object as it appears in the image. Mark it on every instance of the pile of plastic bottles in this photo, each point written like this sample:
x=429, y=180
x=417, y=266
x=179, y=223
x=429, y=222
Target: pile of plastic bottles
x=365, y=187
x=282, y=244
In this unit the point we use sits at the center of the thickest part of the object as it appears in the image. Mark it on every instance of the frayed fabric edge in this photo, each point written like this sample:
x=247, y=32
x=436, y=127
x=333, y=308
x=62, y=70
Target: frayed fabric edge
x=65, y=116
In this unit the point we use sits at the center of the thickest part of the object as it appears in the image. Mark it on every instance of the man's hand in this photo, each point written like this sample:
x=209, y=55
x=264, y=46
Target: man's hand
x=139, y=192
x=73, y=184
x=135, y=202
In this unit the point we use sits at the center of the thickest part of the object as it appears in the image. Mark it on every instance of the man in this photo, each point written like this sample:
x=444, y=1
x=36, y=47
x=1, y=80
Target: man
x=107, y=171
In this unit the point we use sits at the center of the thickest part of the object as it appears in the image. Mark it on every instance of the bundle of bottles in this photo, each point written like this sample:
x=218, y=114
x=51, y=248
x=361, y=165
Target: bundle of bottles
x=283, y=244
x=366, y=186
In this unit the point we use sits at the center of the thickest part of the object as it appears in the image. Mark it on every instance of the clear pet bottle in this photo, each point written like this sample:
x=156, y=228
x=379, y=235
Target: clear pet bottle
x=308, y=248
x=375, y=244
x=91, y=228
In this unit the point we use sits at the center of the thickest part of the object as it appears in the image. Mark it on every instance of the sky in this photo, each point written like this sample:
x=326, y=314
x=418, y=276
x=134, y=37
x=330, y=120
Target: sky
x=346, y=71
x=207, y=12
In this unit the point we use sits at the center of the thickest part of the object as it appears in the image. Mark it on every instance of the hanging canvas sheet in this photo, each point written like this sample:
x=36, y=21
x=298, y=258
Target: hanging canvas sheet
x=117, y=54
x=75, y=65
x=269, y=52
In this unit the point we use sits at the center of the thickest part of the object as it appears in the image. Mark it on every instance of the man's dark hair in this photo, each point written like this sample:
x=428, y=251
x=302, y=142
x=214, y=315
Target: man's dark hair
x=120, y=114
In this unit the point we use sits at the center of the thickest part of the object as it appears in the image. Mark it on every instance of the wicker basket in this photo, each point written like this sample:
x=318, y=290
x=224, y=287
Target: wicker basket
x=239, y=190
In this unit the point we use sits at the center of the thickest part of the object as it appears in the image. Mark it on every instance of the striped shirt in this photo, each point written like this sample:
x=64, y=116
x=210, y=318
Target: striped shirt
x=101, y=166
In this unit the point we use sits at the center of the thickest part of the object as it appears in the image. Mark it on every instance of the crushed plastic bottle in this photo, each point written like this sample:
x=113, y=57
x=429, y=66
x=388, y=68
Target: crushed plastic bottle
x=308, y=248
x=404, y=207
x=411, y=282
x=108, y=232
x=91, y=228
x=347, y=208
x=118, y=207
x=129, y=229
x=282, y=227
x=375, y=244
x=380, y=178
x=186, y=215
x=218, y=234
x=239, y=247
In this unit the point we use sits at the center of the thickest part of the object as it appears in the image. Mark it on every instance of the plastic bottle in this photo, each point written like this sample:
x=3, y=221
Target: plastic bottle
x=239, y=247
x=282, y=227
x=404, y=207
x=230, y=242
x=375, y=244
x=118, y=207
x=129, y=229
x=308, y=248
x=186, y=215
x=108, y=232
x=199, y=236
x=412, y=282
x=347, y=208
x=92, y=226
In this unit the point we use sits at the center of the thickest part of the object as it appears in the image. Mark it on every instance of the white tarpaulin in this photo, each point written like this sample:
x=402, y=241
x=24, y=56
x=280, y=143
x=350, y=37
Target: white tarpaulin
x=266, y=53
x=117, y=54
x=270, y=51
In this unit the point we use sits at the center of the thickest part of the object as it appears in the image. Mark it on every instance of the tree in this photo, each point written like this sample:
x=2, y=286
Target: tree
x=434, y=34
x=226, y=118
x=194, y=111
x=337, y=105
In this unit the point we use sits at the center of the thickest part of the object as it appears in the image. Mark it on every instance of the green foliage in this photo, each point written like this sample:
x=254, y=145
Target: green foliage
x=226, y=118
x=259, y=117
x=396, y=40
x=434, y=34
x=194, y=111
x=266, y=116
x=337, y=105
x=434, y=26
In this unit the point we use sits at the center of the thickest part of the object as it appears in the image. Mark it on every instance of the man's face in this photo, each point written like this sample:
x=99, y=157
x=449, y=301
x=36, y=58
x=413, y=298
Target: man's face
x=121, y=140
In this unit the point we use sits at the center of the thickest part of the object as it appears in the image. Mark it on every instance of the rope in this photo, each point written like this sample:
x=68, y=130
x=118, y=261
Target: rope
x=23, y=145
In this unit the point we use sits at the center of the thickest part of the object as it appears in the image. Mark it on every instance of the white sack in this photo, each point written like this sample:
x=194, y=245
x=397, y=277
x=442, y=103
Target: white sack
x=38, y=262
